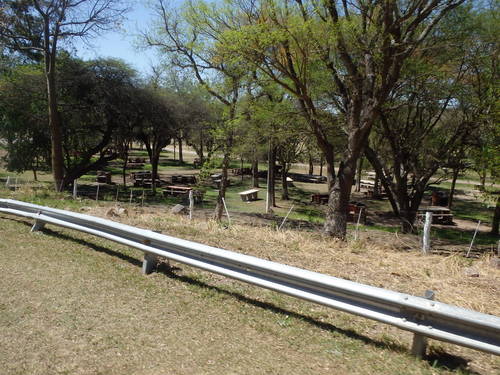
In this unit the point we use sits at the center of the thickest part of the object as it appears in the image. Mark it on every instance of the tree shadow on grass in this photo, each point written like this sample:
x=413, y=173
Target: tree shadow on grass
x=437, y=358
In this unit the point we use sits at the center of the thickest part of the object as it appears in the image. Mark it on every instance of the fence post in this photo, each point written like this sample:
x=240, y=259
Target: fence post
x=426, y=246
x=149, y=263
x=227, y=212
x=473, y=238
x=75, y=189
x=191, y=204
x=419, y=346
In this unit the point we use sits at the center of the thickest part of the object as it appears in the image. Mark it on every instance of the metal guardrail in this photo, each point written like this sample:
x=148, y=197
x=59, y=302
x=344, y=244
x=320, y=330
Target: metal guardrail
x=424, y=317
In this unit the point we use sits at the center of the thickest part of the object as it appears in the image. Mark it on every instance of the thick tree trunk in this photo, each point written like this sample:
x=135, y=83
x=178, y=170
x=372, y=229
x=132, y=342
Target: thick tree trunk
x=181, y=156
x=338, y=202
x=284, y=183
x=311, y=165
x=57, y=158
x=321, y=163
x=496, y=218
x=452, y=188
x=255, y=172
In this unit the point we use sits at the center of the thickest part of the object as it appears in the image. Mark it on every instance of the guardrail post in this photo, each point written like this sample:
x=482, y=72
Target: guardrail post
x=149, y=263
x=38, y=225
x=419, y=346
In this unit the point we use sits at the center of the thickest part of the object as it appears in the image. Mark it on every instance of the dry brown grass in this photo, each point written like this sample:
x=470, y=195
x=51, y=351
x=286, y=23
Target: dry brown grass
x=65, y=309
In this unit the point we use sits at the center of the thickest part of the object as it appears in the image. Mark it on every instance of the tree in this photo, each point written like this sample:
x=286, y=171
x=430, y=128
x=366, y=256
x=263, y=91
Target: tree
x=22, y=120
x=40, y=26
x=97, y=103
x=342, y=56
x=189, y=44
x=157, y=124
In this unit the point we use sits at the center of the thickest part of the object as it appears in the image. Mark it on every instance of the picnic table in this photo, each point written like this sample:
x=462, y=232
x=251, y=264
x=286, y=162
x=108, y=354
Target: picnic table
x=249, y=195
x=319, y=198
x=103, y=177
x=440, y=215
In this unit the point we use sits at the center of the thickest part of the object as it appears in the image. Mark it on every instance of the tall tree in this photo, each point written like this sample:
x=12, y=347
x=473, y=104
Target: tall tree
x=41, y=25
x=343, y=56
x=188, y=43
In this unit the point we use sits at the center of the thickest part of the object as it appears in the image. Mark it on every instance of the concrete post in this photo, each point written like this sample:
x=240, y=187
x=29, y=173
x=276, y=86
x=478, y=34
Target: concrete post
x=149, y=263
x=38, y=225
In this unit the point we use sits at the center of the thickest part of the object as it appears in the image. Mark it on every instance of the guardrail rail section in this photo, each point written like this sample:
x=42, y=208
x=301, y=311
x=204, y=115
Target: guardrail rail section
x=423, y=316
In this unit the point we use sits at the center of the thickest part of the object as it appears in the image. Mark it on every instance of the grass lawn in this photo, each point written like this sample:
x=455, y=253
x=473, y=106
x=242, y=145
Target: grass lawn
x=72, y=303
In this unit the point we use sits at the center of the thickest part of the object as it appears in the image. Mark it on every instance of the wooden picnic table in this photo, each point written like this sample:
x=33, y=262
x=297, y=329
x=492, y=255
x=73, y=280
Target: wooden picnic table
x=440, y=215
x=249, y=195
x=177, y=190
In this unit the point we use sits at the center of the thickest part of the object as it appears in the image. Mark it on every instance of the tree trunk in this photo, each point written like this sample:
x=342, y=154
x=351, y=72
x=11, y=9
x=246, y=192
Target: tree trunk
x=360, y=170
x=181, y=156
x=336, y=213
x=311, y=164
x=219, y=207
x=452, y=189
x=154, y=169
x=202, y=157
x=241, y=167
x=371, y=155
x=57, y=158
x=124, y=170
x=284, y=183
x=321, y=163
x=376, y=185
x=496, y=218
x=255, y=172
x=271, y=162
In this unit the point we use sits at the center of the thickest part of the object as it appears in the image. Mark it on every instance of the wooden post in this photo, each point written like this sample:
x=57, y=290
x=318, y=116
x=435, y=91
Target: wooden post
x=7, y=183
x=419, y=345
x=131, y=194
x=426, y=243
x=97, y=193
x=75, y=189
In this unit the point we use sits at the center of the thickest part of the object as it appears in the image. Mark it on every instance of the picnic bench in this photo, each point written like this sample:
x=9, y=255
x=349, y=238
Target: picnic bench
x=183, y=191
x=183, y=179
x=249, y=195
x=440, y=215
x=354, y=210
x=319, y=198
x=103, y=177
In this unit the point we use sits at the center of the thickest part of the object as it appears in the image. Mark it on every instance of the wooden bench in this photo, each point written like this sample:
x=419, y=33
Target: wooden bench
x=440, y=215
x=249, y=195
